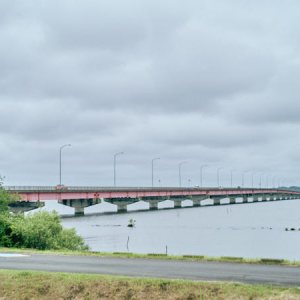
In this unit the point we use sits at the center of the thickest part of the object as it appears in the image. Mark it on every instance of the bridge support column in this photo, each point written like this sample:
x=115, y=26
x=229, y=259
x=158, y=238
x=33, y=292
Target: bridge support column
x=153, y=201
x=197, y=200
x=217, y=201
x=245, y=199
x=271, y=198
x=122, y=207
x=255, y=198
x=153, y=205
x=264, y=198
x=23, y=206
x=79, y=204
x=177, y=203
x=121, y=202
x=232, y=200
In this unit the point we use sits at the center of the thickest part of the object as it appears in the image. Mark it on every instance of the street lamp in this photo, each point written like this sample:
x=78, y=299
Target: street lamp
x=273, y=181
x=152, y=167
x=268, y=180
x=243, y=177
x=201, y=174
x=231, y=176
x=115, y=156
x=218, y=175
x=183, y=162
x=260, y=175
x=252, y=178
x=67, y=145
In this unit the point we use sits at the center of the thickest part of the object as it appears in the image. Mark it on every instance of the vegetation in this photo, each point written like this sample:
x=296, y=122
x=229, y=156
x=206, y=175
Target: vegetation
x=155, y=256
x=42, y=230
x=131, y=223
x=43, y=285
x=6, y=199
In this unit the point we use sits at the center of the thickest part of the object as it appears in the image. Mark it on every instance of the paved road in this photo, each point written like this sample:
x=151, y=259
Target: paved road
x=171, y=269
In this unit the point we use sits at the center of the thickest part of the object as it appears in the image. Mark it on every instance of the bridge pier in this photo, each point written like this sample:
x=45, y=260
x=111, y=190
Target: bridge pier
x=79, y=204
x=121, y=202
x=153, y=201
x=197, y=200
x=24, y=206
x=177, y=203
x=255, y=198
x=217, y=201
x=271, y=198
x=245, y=199
x=232, y=200
x=264, y=198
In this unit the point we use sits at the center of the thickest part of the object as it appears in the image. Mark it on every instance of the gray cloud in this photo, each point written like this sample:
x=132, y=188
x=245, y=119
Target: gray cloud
x=205, y=82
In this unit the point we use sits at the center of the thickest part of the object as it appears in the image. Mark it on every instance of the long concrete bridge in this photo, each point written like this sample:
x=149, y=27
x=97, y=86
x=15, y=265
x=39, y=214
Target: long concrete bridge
x=32, y=197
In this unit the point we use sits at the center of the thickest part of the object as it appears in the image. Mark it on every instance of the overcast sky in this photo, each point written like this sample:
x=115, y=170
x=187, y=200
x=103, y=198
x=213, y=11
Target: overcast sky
x=209, y=82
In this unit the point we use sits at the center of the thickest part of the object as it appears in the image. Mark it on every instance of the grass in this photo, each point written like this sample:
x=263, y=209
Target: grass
x=156, y=256
x=43, y=285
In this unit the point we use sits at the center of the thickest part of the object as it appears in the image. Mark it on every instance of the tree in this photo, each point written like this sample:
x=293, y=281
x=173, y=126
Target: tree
x=5, y=219
x=43, y=230
x=6, y=198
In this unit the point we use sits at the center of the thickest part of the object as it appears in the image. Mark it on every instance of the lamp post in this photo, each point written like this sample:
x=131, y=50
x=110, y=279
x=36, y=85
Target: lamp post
x=220, y=168
x=67, y=145
x=252, y=178
x=152, y=167
x=231, y=176
x=183, y=162
x=243, y=177
x=260, y=175
x=268, y=180
x=201, y=174
x=274, y=183
x=115, y=156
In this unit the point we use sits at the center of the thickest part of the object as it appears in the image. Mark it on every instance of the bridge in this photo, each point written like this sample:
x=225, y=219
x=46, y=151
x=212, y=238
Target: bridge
x=32, y=197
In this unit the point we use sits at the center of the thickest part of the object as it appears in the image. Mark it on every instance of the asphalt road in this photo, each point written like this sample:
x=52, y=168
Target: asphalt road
x=172, y=269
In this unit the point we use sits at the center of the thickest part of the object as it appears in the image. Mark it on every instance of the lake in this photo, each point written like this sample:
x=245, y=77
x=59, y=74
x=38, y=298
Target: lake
x=251, y=230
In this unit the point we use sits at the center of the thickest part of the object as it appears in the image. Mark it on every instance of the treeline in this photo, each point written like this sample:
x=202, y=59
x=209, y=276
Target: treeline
x=41, y=230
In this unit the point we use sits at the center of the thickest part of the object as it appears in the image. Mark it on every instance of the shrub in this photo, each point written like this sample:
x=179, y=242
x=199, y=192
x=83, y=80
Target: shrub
x=5, y=230
x=43, y=231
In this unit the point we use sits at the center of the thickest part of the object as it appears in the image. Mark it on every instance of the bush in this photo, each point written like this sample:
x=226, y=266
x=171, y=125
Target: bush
x=6, y=198
x=43, y=231
x=5, y=230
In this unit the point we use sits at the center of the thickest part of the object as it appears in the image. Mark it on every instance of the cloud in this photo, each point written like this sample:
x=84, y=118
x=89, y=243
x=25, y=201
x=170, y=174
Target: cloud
x=205, y=82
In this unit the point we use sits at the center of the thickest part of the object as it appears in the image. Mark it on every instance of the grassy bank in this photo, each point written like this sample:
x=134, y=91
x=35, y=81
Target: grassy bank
x=43, y=285
x=155, y=256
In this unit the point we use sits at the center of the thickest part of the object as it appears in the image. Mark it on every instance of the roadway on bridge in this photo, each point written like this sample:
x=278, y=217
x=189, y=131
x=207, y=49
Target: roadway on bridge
x=171, y=269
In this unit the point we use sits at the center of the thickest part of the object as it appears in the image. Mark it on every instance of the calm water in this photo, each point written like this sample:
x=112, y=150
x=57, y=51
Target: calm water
x=248, y=230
